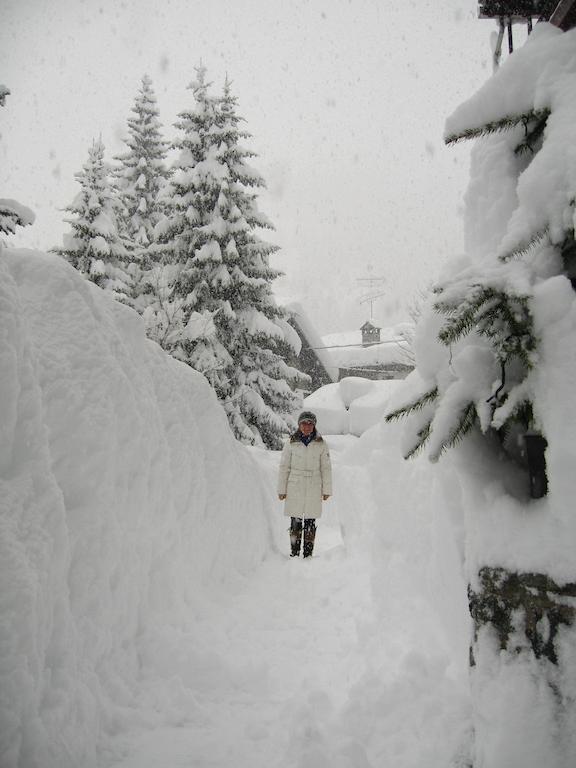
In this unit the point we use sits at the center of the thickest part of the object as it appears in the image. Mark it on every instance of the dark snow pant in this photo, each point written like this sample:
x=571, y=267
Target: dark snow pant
x=296, y=535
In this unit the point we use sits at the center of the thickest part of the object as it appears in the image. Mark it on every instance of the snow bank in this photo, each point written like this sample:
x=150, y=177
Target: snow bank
x=121, y=489
x=328, y=405
x=367, y=410
x=351, y=406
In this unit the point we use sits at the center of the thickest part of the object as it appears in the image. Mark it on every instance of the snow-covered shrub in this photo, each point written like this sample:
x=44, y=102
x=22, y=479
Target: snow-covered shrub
x=12, y=213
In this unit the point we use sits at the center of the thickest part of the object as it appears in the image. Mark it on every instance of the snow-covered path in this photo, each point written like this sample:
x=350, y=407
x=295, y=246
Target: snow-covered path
x=286, y=661
x=278, y=660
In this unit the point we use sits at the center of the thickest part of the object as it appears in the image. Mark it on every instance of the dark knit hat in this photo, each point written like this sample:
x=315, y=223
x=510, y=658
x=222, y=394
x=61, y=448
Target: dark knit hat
x=307, y=416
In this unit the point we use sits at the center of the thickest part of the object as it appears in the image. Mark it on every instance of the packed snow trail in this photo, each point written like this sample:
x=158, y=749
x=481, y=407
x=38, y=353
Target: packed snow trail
x=277, y=659
x=283, y=659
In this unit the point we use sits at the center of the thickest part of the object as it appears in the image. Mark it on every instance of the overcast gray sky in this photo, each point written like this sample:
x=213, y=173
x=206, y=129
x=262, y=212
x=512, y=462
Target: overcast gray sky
x=346, y=100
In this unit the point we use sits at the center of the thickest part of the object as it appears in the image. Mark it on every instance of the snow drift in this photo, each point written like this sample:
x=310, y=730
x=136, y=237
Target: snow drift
x=352, y=405
x=121, y=494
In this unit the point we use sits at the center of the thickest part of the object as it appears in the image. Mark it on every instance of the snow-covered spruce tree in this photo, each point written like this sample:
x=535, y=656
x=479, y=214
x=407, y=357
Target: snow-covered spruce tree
x=139, y=180
x=94, y=246
x=486, y=321
x=12, y=213
x=229, y=326
x=495, y=362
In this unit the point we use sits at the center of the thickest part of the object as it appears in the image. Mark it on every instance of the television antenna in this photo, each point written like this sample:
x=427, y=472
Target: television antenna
x=374, y=287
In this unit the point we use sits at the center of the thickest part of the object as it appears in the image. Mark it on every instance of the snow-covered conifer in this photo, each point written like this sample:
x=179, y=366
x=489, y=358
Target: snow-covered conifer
x=12, y=213
x=139, y=179
x=229, y=327
x=94, y=246
x=518, y=229
x=495, y=362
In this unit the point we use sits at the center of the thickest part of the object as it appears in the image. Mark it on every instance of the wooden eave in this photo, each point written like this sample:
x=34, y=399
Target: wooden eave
x=516, y=10
x=561, y=13
x=564, y=15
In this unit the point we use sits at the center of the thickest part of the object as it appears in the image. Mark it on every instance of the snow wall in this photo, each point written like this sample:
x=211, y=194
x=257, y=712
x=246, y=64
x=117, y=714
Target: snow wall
x=122, y=495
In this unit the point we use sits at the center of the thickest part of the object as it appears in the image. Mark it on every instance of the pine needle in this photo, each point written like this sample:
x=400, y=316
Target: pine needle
x=468, y=418
x=423, y=437
x=417, y=405
x=524, y=248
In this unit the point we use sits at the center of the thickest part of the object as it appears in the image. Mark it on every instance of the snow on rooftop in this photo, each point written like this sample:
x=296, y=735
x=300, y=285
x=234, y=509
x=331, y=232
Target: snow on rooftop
x=345, y=349
x=297, y=312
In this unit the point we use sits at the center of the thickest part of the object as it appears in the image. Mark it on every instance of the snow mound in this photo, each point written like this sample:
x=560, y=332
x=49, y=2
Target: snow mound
x=351, y=406
x=121, y=488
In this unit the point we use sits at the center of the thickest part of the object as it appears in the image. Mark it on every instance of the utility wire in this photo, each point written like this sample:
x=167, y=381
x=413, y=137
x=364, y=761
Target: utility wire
x=370, y=344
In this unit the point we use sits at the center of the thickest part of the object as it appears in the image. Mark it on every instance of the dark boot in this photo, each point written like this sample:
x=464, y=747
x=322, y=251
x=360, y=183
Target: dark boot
x=309, y=536
x=295, y=536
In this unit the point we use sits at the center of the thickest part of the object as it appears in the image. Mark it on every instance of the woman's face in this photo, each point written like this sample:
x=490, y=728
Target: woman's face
x=306, y=427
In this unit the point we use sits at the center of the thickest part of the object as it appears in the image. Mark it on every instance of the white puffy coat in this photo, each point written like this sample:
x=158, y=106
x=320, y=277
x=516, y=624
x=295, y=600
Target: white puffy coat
x=305, y=476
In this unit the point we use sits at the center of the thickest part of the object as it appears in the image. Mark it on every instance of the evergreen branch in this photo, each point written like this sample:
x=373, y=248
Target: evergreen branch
x=532, y=135
x=457, y=327
x=463, y=318
x=525, y=247
x=468, y=417
x=497, y=126
x=417, y=405
x=452, y=307
x=523, y=413
x=449, y=308
x=423, y=437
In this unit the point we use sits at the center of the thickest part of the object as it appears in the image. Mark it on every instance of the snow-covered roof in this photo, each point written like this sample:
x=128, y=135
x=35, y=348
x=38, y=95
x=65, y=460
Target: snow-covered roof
x=296, y=311
x=346, y=351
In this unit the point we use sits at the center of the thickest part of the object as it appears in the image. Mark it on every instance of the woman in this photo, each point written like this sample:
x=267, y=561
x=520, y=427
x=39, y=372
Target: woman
x=304, y=481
